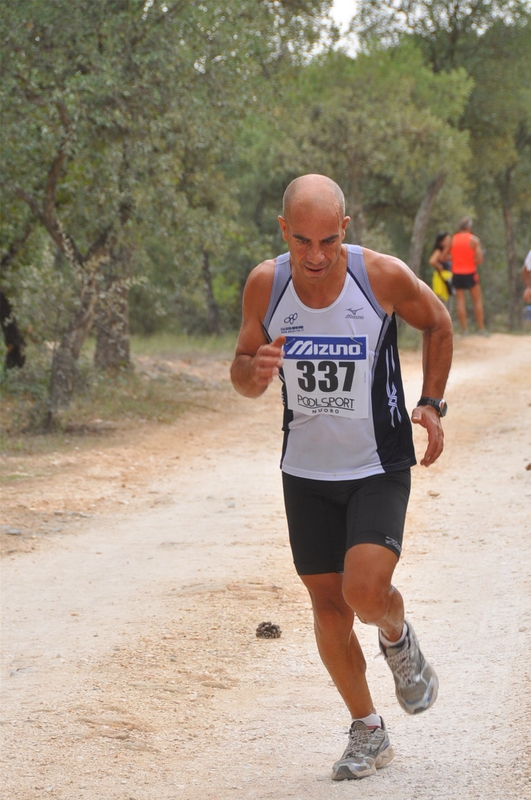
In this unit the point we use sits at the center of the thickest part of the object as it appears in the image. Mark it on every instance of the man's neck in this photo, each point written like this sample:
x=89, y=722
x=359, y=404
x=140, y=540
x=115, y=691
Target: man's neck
x=322, y=295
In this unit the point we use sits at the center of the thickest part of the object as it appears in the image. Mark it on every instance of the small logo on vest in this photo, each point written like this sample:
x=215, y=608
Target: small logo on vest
x=290, y=326
x=353, y=313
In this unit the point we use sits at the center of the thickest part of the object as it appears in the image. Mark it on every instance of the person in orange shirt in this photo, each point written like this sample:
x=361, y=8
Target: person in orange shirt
x=466, y=254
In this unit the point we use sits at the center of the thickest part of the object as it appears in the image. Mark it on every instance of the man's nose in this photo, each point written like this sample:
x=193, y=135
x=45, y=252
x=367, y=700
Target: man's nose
x=315, y=254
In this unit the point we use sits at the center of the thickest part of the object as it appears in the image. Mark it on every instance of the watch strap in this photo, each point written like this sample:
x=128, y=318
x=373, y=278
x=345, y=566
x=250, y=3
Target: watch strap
x=439, y=405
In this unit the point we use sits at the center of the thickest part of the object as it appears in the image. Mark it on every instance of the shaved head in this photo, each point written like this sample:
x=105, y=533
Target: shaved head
x=465, y=223
x=316, y=190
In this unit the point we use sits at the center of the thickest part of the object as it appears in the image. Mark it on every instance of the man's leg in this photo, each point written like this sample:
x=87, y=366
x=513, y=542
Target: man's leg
x=368, y=747
x=477, y=299
x=337, y=643
x=368, y=590
x=365, y=589
x=460, y=304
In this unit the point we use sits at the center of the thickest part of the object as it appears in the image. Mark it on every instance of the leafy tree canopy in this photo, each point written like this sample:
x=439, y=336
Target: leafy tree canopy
x=441, y=27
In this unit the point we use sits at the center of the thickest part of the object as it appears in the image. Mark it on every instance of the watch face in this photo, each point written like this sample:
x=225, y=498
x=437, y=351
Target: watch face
x=440, y=405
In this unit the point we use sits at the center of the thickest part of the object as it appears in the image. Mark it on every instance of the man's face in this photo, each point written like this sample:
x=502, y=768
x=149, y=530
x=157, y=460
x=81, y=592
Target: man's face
x=314, y=235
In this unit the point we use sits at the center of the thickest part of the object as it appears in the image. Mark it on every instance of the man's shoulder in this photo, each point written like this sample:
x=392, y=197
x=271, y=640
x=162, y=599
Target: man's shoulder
x=259, y=285
x=390, y=278
x=381, y=261
x=262, y=275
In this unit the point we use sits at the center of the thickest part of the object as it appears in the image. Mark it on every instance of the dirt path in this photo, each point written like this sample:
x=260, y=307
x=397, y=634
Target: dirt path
x=131, y=670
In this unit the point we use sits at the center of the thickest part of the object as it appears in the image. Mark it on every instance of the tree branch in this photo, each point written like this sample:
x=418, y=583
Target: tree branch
x=421, y=221
x=55, y=172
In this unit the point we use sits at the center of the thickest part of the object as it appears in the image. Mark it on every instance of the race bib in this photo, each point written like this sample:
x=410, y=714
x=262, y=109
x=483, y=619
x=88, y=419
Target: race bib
x=327, y=375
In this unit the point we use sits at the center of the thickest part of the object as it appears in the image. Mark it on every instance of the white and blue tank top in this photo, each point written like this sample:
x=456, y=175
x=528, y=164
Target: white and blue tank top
x=344, y=408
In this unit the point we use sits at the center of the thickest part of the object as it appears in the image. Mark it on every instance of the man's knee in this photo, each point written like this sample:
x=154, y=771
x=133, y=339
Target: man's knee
x=331, y=612
x=369, y=599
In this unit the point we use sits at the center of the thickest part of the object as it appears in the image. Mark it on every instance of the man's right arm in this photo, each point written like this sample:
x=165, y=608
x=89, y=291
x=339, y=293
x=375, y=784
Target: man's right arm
x=256, y=362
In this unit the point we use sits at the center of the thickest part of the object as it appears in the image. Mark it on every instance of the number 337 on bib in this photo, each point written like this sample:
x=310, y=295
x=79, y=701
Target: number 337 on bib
x=327, y=375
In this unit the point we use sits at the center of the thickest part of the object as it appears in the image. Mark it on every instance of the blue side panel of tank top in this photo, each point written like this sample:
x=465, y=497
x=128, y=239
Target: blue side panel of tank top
x=358, y=270
x=281, y=281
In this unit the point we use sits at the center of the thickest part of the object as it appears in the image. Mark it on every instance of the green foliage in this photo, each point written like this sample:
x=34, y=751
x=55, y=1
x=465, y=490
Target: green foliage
x=176, y=127
x=104, y=402
x=24, y=392
x=144, y=100
x=491, y=42
x=382, y=125
x=446, y=30
x=45, y=296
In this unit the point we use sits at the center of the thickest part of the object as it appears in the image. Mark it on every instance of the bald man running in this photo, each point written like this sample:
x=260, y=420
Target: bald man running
x=322, y=318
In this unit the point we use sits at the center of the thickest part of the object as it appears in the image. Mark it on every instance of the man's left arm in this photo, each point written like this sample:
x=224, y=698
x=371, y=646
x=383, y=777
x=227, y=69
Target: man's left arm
x=413, y=301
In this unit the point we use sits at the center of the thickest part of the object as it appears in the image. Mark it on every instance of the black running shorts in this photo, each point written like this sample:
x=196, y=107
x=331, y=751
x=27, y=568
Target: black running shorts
x=326, y=518
x=465, y=281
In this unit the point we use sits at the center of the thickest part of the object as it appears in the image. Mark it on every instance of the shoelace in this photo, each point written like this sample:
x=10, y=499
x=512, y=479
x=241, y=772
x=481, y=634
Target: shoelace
x=359, y=738
x=403, y=666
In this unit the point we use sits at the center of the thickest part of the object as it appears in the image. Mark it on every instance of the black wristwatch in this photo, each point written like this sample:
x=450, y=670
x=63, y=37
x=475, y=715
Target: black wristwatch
x=440, y=405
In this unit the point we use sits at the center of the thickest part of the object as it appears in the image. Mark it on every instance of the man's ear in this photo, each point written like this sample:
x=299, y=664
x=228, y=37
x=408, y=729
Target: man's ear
x=283, y=227
x=344, y=224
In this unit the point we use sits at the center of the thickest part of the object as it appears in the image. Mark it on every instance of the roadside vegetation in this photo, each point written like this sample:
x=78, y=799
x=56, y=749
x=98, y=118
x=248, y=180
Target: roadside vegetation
x=155, y=388
x=146, y=147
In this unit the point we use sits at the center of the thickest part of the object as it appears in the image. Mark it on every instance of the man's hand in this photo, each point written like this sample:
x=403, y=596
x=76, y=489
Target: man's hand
x=428, y=417
x=268, y=361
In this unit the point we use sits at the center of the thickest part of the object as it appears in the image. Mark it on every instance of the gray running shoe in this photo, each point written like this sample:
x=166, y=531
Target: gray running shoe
x=368, y=749
x=416, y=682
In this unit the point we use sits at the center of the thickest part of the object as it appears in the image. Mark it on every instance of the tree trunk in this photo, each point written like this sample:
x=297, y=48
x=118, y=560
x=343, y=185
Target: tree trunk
x=13, y=338
x=510, y=249
x=14, y=341
x=112, y=326
x=84, y=269
x=422, y=219
x=65, y=357
x=212, y=306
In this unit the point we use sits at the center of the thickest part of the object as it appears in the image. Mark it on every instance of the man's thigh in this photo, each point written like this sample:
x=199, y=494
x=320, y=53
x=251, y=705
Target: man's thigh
x=326, y=518
x=316, y=518
x=376, y=512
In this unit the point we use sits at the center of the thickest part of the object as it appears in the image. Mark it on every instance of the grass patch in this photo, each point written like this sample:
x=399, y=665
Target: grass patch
x=105, y=403
x=128, y=396
x=166, y=345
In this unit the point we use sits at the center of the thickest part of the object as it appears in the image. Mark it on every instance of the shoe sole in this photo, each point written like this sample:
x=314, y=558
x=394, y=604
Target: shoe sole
x=345, y=774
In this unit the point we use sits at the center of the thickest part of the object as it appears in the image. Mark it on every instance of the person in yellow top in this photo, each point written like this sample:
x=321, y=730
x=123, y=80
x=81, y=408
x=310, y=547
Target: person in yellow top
x=526, y=277
x=441, y=281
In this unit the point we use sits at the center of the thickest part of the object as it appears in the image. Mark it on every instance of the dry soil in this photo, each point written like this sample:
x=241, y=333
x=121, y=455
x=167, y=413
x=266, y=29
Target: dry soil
x=135, y=572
